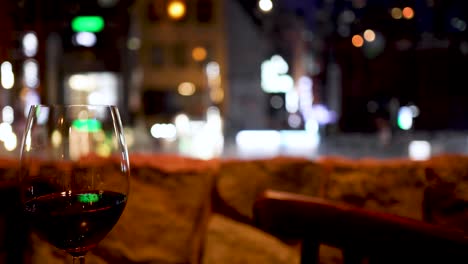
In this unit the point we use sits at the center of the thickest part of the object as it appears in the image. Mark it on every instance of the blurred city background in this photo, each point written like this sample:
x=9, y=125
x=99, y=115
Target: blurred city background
x=246, y=78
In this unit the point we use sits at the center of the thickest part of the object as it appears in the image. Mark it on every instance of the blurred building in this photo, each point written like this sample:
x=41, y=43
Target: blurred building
x=349, y=65
x=197, y=54
x=7, y=40
x=397, y=55
x=248, y=46
x=181, y=72
x=370, y=61
x=182, y=57
x=66, y=52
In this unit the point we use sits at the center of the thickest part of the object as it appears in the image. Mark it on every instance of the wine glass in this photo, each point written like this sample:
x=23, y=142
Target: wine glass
x=74, y=174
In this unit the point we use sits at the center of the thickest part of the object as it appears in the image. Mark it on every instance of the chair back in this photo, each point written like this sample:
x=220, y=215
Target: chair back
x=361, y=234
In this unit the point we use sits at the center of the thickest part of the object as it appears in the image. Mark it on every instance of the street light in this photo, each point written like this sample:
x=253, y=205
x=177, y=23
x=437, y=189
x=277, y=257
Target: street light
x=176, y=9
x=265, y=5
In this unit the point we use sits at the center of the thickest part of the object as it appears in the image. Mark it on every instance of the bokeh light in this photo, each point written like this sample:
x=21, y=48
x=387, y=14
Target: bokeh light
x=85, y=39
x=369, y=35
x=165, y=131
x=10, y=142
x=419, y=150
x=405, y=118
x=186, y=88
x=458, y=24
x=276, y=102
x=7, y=75
x=396, y=13
x=31, y=73
x=217, y=95
x=408, y=12
x=357, y=41
x=56, y=138
x=212, y=69
x=8, y=114
x=347, y=16
x=265, y=5
x=30, y=44
x=176, y=9
x=133, y=43
x=294, y=120
x=199, y=53
x=358, y=4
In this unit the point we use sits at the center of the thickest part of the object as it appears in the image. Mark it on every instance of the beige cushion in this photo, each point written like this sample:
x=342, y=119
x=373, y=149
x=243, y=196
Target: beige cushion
x=394, y=186
x=232, y=242
x=240, y=181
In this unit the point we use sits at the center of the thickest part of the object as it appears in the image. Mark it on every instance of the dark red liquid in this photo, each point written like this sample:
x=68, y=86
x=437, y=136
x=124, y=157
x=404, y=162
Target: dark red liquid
x=75, y=222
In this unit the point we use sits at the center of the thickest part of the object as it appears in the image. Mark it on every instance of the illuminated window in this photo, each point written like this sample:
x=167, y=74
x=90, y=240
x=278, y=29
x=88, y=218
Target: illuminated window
x=179, y=54
x=157, y=55
x=91, y=88
x=156, y=10
x=204, y=11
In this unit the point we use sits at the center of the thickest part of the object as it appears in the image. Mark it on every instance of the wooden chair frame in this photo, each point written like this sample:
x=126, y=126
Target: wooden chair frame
x=361, y=234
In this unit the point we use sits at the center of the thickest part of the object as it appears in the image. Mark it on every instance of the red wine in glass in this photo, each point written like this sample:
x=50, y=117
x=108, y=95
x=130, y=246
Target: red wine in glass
x=75, y=222
x=74, y=174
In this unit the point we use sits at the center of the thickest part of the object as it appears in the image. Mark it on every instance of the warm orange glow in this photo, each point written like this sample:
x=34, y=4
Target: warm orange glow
x=396, y=13
x=217, y=95
x=369, y=35
x=186, y=88
x=176, y=9
x=357, y=41
x=408, y=12
x=199, y=53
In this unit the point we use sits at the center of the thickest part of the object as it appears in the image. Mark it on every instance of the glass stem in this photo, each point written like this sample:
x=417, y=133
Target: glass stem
x=79, y=260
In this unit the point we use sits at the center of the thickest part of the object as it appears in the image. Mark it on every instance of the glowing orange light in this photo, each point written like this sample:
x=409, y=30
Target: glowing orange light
x=396, y=13
x=408, y=12
x=199, y=53
x=217, y=95
x=357, y=41
x=176, y=9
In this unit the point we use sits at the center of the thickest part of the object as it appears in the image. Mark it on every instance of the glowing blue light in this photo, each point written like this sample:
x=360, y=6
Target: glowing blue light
x=405, y=118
